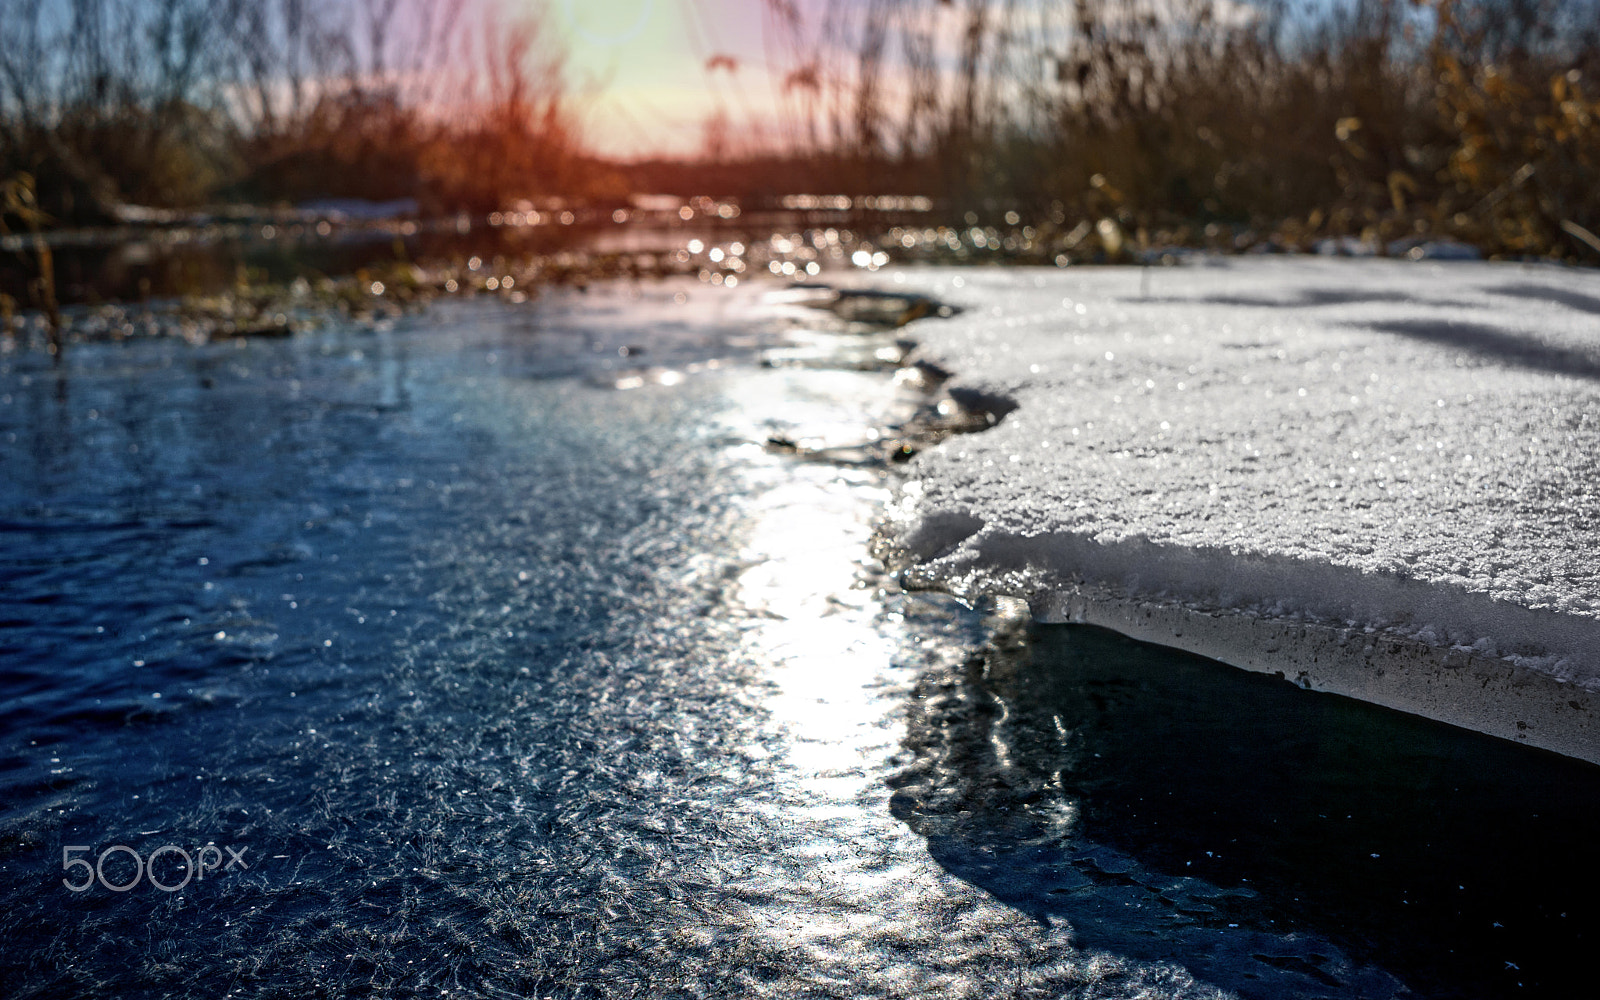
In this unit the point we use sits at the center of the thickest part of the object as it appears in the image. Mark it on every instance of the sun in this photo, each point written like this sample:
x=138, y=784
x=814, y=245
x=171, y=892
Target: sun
x=607, y=23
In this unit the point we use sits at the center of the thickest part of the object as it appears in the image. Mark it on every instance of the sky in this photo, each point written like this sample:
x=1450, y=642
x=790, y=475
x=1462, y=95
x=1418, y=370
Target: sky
x=643, y=66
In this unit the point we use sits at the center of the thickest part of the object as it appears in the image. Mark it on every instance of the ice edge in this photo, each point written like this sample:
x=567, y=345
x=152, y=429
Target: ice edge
x=1487, y=694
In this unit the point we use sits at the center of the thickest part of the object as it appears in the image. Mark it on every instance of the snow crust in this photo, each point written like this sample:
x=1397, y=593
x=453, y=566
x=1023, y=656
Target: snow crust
x=1406, y=450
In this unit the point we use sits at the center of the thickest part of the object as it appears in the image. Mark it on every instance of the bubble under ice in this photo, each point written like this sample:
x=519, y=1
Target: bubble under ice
x=1375, y=477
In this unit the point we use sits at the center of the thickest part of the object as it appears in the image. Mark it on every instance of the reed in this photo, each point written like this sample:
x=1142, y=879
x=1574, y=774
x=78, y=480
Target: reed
x=1379, y=120
x=18, y=202
x=180, y=103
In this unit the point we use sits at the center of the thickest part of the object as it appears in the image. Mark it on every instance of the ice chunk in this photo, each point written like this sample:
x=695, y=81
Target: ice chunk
x=1380, y=476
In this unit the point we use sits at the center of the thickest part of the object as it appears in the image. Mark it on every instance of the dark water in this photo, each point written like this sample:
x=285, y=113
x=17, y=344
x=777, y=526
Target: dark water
x=1277, y=842
x=510, y=682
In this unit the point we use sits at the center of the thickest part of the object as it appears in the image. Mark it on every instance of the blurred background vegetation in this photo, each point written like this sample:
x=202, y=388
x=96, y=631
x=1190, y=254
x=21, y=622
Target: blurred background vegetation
x=185, y=103
x=1127, y=122
x=1378, y=120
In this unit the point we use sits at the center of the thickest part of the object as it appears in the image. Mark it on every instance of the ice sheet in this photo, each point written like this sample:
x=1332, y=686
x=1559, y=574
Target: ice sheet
x=1376, y=477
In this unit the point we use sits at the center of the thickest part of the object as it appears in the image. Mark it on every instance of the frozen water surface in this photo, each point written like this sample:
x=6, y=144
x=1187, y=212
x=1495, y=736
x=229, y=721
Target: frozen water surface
x=1373, y=477
x=514, y=659
x=520, y=663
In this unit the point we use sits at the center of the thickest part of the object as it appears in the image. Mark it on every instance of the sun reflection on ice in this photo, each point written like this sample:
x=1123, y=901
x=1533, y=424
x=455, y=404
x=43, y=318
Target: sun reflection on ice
x=819, y=631
x=828, y=648
x=854, y=888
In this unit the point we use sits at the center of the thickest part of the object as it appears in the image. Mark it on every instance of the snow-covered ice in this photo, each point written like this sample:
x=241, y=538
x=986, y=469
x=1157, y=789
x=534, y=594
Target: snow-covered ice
x=1375, y=477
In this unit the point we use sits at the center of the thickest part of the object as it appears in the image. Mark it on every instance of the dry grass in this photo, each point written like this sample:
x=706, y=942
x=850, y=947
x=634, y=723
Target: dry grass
x=1381, y=120
x=1194, y=121
x=181, y=103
